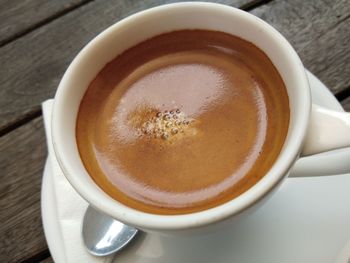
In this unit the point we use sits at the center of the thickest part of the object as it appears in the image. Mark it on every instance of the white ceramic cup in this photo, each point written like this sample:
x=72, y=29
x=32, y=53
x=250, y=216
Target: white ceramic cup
x=312, y=129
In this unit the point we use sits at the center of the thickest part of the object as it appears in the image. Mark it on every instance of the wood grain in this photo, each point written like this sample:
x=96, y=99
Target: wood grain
x=17, y=17
x=33, y=65
x=23, y=152
x=319, y=31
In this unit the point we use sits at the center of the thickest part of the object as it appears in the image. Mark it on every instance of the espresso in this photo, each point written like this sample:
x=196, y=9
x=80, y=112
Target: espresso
x=183, y=122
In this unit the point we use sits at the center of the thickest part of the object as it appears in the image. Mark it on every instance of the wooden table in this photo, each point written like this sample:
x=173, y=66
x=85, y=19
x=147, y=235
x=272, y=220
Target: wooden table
x=38, y=40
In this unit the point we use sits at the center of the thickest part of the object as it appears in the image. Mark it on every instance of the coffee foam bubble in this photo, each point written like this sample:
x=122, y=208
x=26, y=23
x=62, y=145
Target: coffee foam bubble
x=168, y=125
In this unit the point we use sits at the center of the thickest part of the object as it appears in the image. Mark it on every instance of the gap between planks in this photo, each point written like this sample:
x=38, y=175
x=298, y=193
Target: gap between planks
x=254, y=4
x=21, y=120
x=343, y=95
x=42, y=257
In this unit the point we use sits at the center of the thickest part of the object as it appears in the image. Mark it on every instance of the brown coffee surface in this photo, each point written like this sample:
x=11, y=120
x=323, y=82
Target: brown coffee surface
x=183, y=122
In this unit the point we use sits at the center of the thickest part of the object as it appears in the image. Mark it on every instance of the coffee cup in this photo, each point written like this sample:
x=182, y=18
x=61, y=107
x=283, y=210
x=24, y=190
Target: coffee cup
x=312, y=129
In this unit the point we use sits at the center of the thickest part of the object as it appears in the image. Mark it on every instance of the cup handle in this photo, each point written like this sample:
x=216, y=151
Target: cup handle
x=328, y=130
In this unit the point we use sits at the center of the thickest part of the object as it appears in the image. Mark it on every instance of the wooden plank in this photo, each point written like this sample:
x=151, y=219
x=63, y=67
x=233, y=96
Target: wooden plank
x=319, y=31
x=23, y=152
x=17, y=17
x=33, y=65
x=346, y=104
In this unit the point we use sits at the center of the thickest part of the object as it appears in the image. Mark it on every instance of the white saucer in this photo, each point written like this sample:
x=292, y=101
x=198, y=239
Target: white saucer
x=307, y=220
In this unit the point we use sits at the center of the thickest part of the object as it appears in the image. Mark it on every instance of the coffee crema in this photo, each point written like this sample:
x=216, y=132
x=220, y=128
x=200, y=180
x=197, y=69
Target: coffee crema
x=183, y=122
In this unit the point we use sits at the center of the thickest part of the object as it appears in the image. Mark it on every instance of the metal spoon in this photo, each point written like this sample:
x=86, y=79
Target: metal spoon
x=103, y=235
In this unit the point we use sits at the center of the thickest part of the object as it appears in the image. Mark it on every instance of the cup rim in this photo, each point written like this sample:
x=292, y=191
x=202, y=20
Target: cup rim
x=184, y=221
